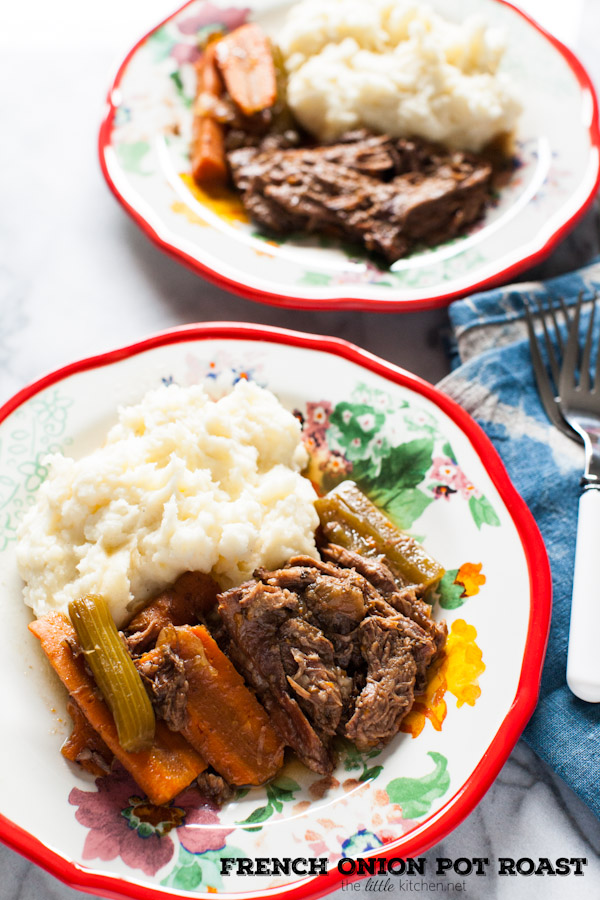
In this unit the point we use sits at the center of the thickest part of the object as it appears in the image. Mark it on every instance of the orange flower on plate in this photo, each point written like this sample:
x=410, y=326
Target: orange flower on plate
x=456, y=671
x=469, y=575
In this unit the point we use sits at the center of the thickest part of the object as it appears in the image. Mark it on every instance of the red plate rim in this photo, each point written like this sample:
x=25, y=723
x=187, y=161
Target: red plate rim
x=289, y=300
x=461, y=803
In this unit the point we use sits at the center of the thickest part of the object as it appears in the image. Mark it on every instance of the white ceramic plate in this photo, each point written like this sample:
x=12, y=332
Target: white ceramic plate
x=144, y=145
x=359, y=414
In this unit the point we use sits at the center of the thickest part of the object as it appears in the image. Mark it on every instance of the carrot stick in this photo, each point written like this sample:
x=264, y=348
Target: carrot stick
x=192, y=596
x=164, y=770
x=246, y=64
x=84, y=746
x=226, y=723
x=209, y=165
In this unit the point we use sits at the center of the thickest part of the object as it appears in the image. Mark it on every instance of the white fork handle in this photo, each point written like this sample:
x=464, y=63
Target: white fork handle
x=583, y=660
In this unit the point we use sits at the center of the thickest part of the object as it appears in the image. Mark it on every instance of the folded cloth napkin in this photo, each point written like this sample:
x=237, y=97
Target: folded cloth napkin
x=493, y=379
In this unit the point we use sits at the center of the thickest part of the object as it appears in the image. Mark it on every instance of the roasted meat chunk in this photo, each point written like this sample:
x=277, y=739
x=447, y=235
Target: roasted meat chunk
x=85, y=746
x=163, y=674
x=331, y=598
x=389, y=690
x=253, y=615
x=321, y=688
x=214, y=788
x=355, y=646
x=403, y=599
x=339, y=189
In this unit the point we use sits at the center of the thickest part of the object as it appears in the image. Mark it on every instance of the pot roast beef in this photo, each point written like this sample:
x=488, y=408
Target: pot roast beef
x=253, y=615
x=331, y=647
x=387, y=194
x=403, y=599
x=389, y=690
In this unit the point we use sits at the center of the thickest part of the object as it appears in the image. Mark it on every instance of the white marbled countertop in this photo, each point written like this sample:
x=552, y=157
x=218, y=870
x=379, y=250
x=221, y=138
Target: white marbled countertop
x=78, y=278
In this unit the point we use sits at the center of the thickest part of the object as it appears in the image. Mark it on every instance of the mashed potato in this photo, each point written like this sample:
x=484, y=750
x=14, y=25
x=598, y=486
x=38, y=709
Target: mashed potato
x=396, y=67
x=182, y=483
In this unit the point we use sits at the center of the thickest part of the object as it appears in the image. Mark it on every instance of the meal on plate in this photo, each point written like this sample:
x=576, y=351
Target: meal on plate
x=206, y=609
x=373, y=122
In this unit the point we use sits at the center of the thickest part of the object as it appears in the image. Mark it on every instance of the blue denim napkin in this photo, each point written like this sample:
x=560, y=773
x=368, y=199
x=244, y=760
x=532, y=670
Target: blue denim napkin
x=493, y=379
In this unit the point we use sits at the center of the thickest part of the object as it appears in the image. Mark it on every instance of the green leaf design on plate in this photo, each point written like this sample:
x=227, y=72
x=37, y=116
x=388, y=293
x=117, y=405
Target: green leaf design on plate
x=315, y=278
x=352, y=758
x=450, y=594
x=279, y=791
x=199, y=871
x=394, y=486
x=260, y=814
x=370, y=774
x=161, y=42
x=483, y=512
x=448, y=451
x=416, y=795
x=178, y=82
x=408, y=506
x=39, y=429
x=405, y=466
x=131, y=156
x=285, y=785
x=356, y=425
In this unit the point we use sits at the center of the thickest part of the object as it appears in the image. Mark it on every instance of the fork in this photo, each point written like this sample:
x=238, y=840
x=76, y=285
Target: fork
x=547, y=390
x=580, y=406
x=576, y=411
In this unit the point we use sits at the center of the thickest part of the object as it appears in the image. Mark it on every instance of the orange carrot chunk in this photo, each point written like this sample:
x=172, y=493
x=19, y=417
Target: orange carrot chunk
x=163, y=770
x=225, y=721
x=193, y=595
x=209, y=165
x=246, y=64
x=84, y=746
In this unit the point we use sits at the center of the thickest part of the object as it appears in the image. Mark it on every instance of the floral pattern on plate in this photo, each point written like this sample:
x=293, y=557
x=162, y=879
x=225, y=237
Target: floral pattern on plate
x=145, y=143
x=361, y=437
x=370, y=418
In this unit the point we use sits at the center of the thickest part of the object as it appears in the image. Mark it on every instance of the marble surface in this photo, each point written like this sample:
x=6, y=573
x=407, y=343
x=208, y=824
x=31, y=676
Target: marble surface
x=77, y=278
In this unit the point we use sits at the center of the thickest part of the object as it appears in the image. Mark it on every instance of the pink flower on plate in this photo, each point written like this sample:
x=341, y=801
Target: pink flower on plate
x=201, y=830
x=124, y=825
x=230, y=17
x=444, y=470
x=465, y=487
x=335, y=464
x=185, y=53
x=317, y=420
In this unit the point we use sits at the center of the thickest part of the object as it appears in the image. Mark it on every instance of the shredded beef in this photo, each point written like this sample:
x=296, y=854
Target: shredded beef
x=214, y=788
x=254, y=614
x=404, y=600
x=163, y=675
x=331, y=646
x=389, y=690
x=85, y=746
x=331, y=598
x=321, y=688
x=389, y=196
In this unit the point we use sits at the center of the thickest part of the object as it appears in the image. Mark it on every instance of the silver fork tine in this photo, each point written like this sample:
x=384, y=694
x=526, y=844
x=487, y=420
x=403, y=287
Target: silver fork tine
x=545, y=389
x=569, y=366
x=584, y=374
x=557, y=334
x=554, y=364
x=565, y=312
